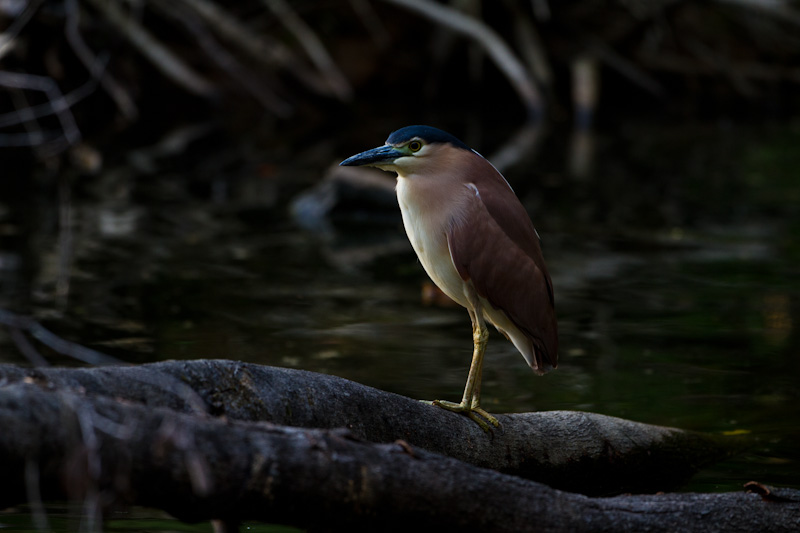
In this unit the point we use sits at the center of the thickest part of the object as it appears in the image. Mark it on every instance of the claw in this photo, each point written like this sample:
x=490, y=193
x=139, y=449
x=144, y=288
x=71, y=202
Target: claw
x=482, y=412
x=476, y=414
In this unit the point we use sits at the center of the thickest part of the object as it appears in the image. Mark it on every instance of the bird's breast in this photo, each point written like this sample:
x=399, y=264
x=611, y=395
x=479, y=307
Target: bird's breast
x=426, y=221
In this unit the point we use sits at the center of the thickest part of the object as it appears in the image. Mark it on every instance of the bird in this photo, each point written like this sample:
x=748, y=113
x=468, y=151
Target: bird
x=477, y=243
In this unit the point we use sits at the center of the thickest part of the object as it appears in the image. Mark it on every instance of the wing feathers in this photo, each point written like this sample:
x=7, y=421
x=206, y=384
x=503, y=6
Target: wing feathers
x=506, y=267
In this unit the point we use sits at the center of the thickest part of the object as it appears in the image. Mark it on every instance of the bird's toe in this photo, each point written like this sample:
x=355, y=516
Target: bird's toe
x=477, y=414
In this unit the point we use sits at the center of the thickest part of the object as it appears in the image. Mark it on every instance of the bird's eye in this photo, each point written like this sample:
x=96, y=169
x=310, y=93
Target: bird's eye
x=415, y=146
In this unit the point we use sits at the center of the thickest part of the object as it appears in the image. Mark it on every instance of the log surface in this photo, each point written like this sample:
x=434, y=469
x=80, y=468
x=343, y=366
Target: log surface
x=222, y=440
x=576, y=451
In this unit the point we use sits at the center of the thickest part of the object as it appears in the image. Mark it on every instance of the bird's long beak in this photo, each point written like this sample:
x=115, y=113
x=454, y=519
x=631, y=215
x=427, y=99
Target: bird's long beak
x=377, y=156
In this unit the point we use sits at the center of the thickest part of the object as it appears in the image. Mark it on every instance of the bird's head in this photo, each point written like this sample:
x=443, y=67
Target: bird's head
x=409, y=150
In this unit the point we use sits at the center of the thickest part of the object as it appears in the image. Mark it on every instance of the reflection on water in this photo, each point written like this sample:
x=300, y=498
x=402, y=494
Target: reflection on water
x=673, y=257
x=72, y=517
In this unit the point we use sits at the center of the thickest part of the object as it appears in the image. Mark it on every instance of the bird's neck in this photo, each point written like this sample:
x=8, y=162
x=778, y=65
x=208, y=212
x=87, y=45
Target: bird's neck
x=425, y=194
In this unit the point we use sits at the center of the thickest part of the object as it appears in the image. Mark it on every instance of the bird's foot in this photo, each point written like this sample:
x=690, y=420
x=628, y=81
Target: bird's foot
x=479, y=415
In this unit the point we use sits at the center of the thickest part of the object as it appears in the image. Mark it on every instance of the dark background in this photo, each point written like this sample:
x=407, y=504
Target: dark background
x=149, y=218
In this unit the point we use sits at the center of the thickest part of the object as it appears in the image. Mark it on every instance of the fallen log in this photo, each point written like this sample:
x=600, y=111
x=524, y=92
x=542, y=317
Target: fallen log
x=580, y=452
x=102, y=450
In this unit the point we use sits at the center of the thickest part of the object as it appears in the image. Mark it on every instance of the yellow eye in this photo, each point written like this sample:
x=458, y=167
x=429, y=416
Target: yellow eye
x=415, y=146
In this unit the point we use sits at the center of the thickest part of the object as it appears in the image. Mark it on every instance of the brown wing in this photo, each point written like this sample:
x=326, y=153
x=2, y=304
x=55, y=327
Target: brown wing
x=506, y=271
x=506, y=209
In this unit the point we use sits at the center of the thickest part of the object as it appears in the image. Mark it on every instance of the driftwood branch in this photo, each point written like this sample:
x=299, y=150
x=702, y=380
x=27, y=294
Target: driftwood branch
x=148, y=435
x=580, y=452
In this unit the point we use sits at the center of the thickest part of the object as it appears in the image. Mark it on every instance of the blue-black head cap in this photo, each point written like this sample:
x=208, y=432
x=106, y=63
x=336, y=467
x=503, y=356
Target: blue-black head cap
x=428, y=134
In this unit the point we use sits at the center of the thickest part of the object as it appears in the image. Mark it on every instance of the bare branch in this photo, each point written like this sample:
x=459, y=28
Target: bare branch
x=159, y=55
x=95, y=65
x=34, y=495
x=58, y=105
x=258, y=47
x=777, y=8
x=7, y=38
x=625, y=67
x=489, y=40
x=25, y=81
x=313, y=46
x=371, y=21
x=27, y=348
x=64, y=241
x=224, y=59
x=532, y=50
x=523, y=143
x=53, y=341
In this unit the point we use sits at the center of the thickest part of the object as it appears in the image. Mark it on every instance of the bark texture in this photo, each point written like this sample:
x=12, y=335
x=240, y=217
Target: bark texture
x=192, y=438
x=570, y=450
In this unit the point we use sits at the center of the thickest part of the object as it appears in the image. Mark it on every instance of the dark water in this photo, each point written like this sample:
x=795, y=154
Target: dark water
x=674, y=255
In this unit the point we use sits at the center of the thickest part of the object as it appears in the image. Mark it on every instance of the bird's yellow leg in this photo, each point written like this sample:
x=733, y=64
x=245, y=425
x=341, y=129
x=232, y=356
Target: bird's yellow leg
x=470, y=401
x=480, y=340
x=475, y=399
x=480, y=337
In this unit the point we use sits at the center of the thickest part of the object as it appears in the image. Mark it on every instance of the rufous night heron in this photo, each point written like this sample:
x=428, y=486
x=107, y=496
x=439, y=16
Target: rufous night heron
x=476, y=242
